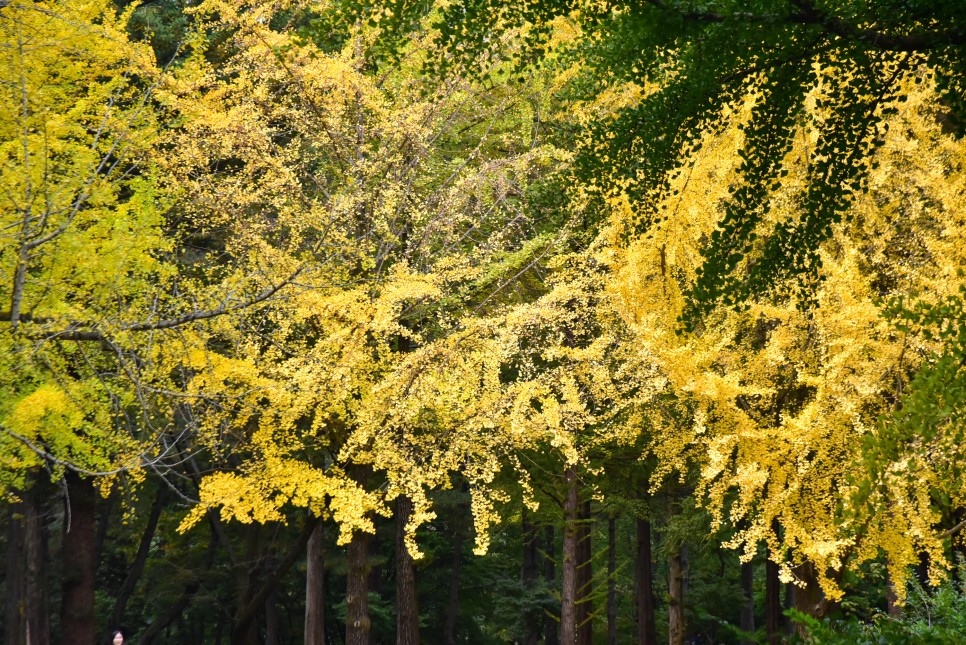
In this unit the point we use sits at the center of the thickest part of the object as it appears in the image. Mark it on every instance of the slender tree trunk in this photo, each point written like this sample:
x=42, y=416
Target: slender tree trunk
x=245, y=626
x=79, y=562
x=550, y=636
x=137, y=566
x=272, y=634
x=315, y=588
x=677, y=571
x=407, y=606
x=585, y=577
x=15, y=578
x=644, y=586
x=569, y=588
x=529, y=574
x=748, y=606
x=453, y=606
x=612, y=581
x=773, y=603
x=357, y=622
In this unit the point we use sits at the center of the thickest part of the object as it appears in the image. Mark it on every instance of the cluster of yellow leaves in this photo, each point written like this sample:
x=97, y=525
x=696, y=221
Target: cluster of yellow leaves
x=80, y=229
x=389, y=204
x=784, y=397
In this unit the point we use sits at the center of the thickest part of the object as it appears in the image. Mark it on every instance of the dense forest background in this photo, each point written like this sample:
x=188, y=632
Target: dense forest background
x=482, y=322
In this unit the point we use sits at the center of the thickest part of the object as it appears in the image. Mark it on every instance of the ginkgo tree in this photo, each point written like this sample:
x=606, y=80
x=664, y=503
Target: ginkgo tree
x=788, y=400
x=395, y=201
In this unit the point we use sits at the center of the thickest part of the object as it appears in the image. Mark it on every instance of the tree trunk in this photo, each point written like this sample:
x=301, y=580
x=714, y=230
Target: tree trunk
x=272, y=634
x=244, y=629
x=550, y=576
x=453, y=606
x=79, y=561
x=810, y=599
x=585, y=577
x=748, y=606
x=137, y=566
x=407, y=605
x=315, y=589
x=612, y=581
x=644, y=586
x=529, y=575
x=677, y=570
x=568, y=596
x=15, y=579
x=357, y=622
x=773, y=603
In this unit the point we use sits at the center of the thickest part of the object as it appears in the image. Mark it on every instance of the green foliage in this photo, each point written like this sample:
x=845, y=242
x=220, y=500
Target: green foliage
x=929, y=618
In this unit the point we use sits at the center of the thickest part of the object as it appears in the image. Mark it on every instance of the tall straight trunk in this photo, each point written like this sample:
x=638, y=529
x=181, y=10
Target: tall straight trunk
x=15, y=578
x=748, y=604
x=529, y=574
x=550, y=636
x=357, y=622
x=585, y=577
x=453, y=605
x=315, y=588
x=79, y=562
x=644, y=585
x=677, y=570
x=272, y=626
x=773, y=606
x=612, y=581
x=407, y=606
x=568, y=595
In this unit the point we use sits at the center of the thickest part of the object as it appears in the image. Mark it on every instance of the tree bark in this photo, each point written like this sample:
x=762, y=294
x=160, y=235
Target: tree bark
x=315, y=589
x=585, y=577
x=748, y=606
x=568, y=595
x=79, y=561
x=15, y=579
x=529, y=574
x=809, y=599
x=357, y=622
x=677, y=570
x=644, y=585
x=612, y=581
x=773, y=606
x=407, y=603
x=550, y=636
x=453, y=606
x=272, y=627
